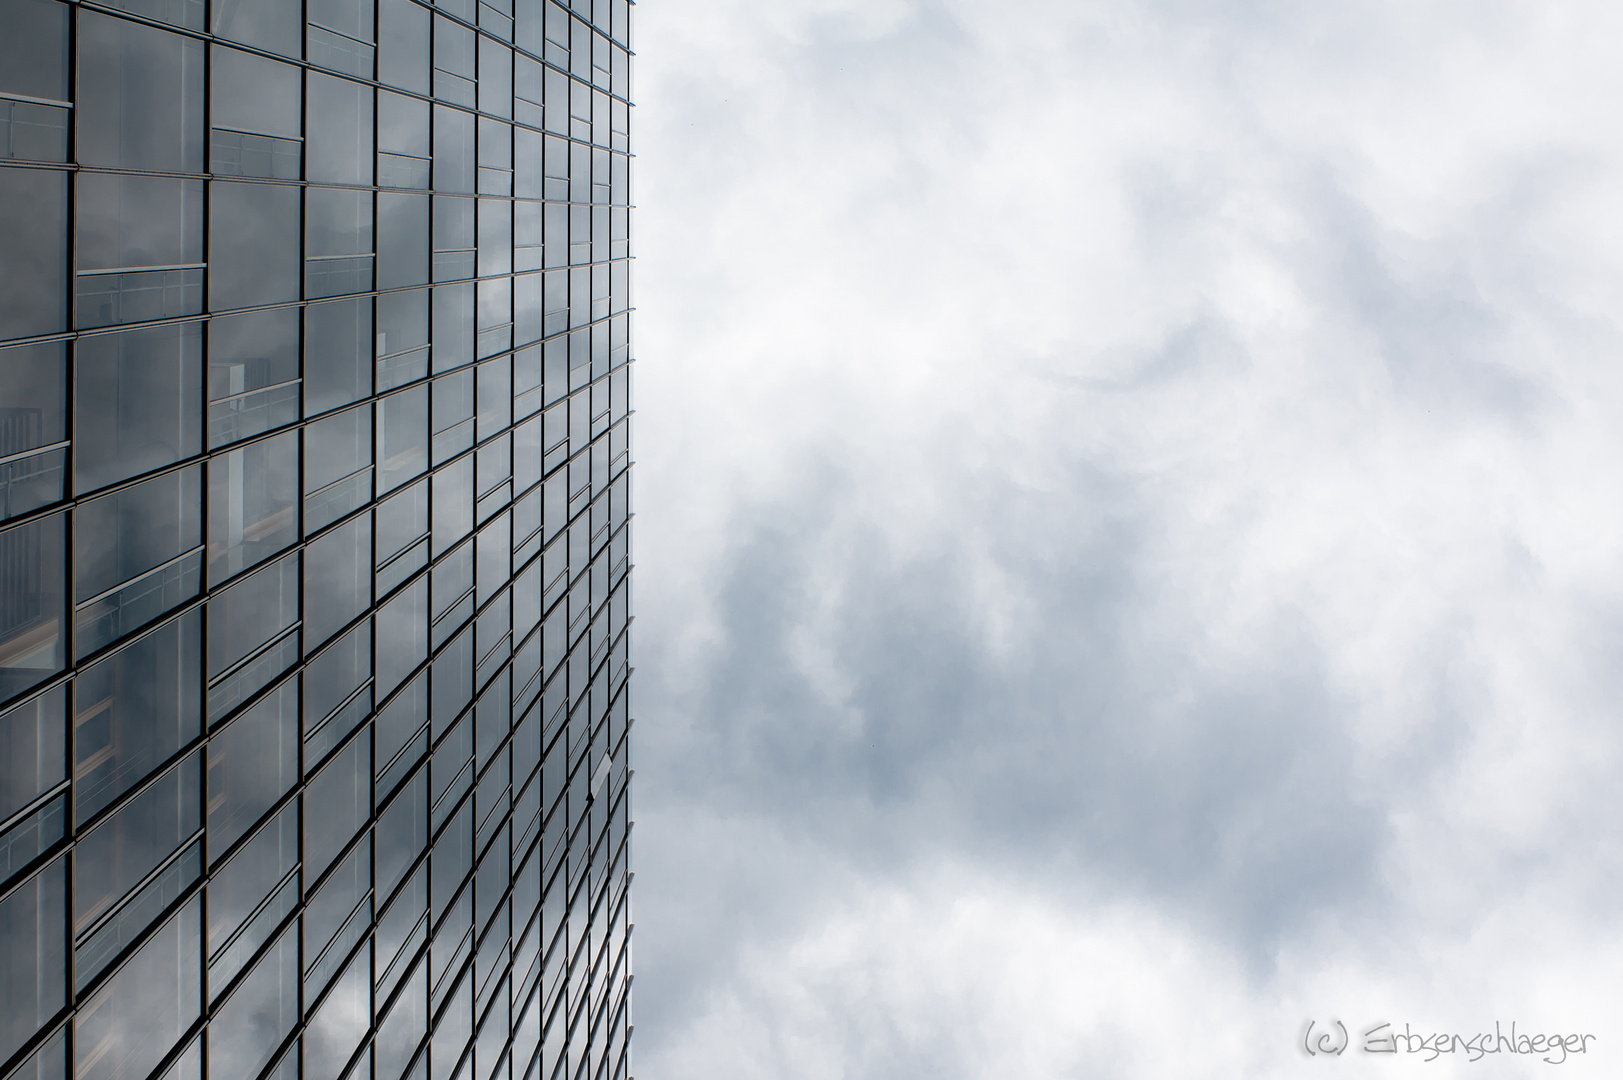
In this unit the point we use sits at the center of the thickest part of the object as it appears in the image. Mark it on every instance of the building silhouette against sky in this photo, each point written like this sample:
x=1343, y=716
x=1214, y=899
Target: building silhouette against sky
x=314, y=372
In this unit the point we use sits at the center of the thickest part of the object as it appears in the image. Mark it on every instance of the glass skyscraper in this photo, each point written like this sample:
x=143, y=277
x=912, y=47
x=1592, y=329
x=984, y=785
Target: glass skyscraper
x=314, y=537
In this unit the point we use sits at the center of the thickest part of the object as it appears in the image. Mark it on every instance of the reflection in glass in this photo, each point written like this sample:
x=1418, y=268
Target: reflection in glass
x=338, y=130
x=337, y=804
x=31, y=604
x=239, y=887
x=33, y=939
x=253, y=374
x=114, y=856
x=253, y=244
x=33, y=260
x=140, y=97
x=403, y=30
x=338, y=241
x=402, y=342
x=255, y=111
x=335, y=1031
x=252, y=762
x=337, y=337
x=403, y=144
x=337, y=578
x=251, y=1025
x=135, y=538
x=33, y=756
x=402, y=629
x=336, y=451
x=136, y=402
x=402, y=437
x=453, y=150
x=141, y=1013
x=272, y=25
x=253, y=504
x=403, y=241
x=133, y=710
x=252, y=612
x=453, y=326
x=34, y=49
x=33, y=416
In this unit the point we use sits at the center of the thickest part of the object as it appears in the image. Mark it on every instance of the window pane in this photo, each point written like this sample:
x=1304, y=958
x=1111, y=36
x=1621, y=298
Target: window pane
x=33, y=413
x=250, y=1027
x=336, y=674
x=132, y=711
x=402, y=241
x=33, y=755
x=273, y=25
x=149, y=230
x=137, y=402
x=453, y=150
x=495, y=78
x=140, y=96
x=252, y=762
x=253, y=504
x=34, y=48
x=336, y=447
x=237, y=888
x=33, y=939
x=339, y=1025
x=33, y=260
x=256, y=106
x=252, y=612
x=31, y=604
x=132, y=1022
x=139, y=835
x=403, y=45
x=402, y=437
x=123, y=535
x=337, y=579
x=337, y=364
x=402, y=343
x=337, y=803
x=338, y=130
x=453, y=326
x=253, y=244
x=253, y=374
x=402, y=629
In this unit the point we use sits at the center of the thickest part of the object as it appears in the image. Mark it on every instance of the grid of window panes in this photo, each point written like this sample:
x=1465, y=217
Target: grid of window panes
x=314, y=373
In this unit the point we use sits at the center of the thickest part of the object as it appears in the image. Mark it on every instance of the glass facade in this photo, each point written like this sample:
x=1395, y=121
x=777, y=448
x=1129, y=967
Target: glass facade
x=314, y=538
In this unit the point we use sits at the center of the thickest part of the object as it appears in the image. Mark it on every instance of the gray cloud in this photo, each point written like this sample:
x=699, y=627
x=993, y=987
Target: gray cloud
x=1122, y=509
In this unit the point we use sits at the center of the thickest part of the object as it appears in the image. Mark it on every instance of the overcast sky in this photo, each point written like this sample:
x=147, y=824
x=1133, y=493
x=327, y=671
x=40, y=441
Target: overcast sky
x=1127, y=540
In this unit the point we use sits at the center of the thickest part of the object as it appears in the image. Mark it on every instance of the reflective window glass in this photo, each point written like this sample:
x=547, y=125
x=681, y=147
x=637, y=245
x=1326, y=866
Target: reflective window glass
x=337, y=368
x=115, y=855
x=31, y=604
x=33, y=750
x=252, y=612
x=33, y=939
x=337, y=803
x=34, y=258
x=402, y=630
x=272, y=25
x=252, y=762
x=253, y=374
x=238, y=887
x=338, y=130
x=250, y=1026
x=255, y=110
x=120, y=537
x=134, y=710
x=33, y=416
x=403, y=143
x=453, y=326
x=34, y=49
x=337, y=578
x=453, y=150
x=403, y=31
x=403, y=242
x=133, y=1021
x=402, y=426
x=137, y=402
x=140, y=96
x=253, y=244
x=402, y=343
x=253, y=504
